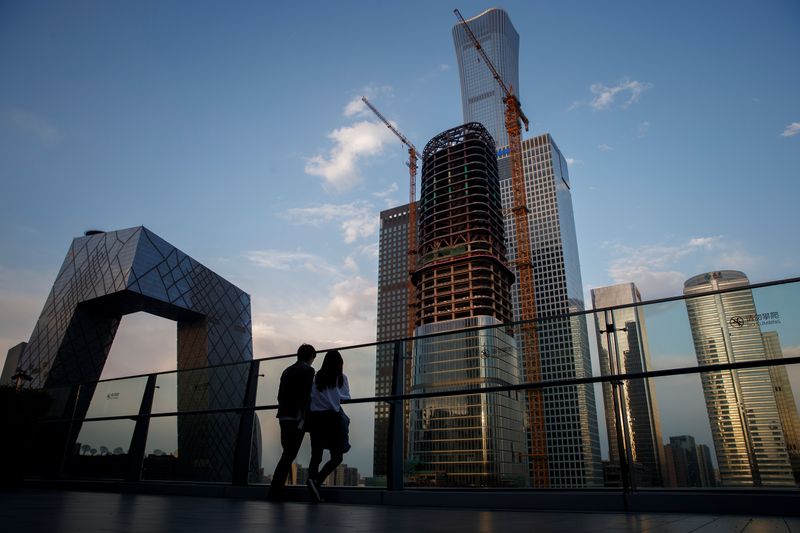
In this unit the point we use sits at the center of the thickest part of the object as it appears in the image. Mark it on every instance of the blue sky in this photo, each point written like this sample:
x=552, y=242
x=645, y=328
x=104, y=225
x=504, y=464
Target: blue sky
x=225, y=128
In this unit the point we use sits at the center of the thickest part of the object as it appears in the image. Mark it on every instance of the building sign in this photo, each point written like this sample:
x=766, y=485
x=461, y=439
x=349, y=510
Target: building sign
x=760, y=319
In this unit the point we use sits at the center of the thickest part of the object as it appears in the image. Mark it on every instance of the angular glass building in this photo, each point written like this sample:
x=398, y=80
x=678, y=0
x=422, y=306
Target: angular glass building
x=623, y=348
x=463, y=281
x=742, y=408
x=481, y=97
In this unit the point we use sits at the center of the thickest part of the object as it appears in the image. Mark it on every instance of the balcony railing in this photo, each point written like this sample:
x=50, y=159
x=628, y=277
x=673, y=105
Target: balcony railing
x=677, y=393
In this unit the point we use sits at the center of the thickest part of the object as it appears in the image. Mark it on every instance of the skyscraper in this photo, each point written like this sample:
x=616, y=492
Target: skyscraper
x=622, y=348
x=392, y=317
x=463, y=281
x=787, y=408
x=481, y=97
x=742, y=410
x=573, y=442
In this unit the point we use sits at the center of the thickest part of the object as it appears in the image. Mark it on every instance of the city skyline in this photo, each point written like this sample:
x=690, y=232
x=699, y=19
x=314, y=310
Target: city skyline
x=275, y=180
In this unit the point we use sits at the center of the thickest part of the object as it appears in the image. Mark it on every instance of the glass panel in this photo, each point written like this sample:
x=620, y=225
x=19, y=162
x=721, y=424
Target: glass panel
x=191, y=447
x=199, y=389
x=165, y=399
x=101, y=449
x=117, y=397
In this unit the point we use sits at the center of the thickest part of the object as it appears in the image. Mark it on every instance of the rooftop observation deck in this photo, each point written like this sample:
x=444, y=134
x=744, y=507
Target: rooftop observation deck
x=56, y=511
x=95, y=461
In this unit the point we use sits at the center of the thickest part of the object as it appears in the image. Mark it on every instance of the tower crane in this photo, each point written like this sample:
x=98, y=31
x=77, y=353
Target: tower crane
x=527, y=298
x=412, y=227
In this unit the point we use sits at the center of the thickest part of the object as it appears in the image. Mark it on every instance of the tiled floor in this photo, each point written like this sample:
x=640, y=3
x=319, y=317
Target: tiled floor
x=33, y=511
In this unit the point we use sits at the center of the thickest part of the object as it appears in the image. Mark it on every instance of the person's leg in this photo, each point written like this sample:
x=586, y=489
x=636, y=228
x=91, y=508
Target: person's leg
x=330, y=466
x=316, y=457
x=291, y=439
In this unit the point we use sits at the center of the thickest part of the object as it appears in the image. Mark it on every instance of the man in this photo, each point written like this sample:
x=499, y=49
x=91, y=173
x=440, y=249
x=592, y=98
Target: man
x=294, y=395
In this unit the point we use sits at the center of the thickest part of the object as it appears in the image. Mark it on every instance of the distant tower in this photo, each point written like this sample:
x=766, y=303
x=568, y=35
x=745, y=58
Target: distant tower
x=463, y=282
x=742, y=408
x=392, y=318
x=787, y=408
x=481, y=97
x=628, y=353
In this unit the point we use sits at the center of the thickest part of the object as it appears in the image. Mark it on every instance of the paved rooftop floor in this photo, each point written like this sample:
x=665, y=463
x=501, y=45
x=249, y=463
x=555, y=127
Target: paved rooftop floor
x=35, y=510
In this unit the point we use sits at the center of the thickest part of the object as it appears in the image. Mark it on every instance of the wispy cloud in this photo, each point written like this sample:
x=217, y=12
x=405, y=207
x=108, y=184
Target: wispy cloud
x=345, y=315
x=791, y=130
x=290, y=260
x=357, y=220
x=571, y=161
x=644, y=128
x=351, y=145
x=36, y=125
x=606, y=95
x=604, y=147
x=383, y=194
x=660, y=269
x=356, y=106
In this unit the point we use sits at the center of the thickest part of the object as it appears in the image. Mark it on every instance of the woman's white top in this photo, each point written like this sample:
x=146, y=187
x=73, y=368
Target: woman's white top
x=331, y=398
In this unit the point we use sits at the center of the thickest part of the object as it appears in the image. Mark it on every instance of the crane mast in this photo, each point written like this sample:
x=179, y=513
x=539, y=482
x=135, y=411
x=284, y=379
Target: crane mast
x=531, y=357
x=412, y=231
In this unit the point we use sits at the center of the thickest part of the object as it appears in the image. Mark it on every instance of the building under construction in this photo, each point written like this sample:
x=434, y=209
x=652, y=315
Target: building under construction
x=463, y=282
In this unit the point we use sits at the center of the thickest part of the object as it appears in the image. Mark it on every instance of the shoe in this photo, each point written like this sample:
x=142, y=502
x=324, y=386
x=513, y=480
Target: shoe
x=314, y=491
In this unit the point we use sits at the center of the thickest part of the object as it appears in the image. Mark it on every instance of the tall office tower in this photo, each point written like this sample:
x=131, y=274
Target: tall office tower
x=573, y=442
x=707, y=476
x=481, y=96
x=622, y=347
x=684, y=461
x=463, y=282
x=742, y=409
x=787, y=408
x=392, y=318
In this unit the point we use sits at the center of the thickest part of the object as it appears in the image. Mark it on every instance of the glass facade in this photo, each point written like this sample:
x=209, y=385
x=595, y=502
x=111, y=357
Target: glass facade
x=623, y=348
x=481, y=96
x=573, y=442
x=392, y=322
x=463, y=281
x=110, y=274
x=742, y=408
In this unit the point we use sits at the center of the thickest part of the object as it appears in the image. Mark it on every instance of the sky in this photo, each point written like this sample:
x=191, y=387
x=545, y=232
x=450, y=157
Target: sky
x=233, y=131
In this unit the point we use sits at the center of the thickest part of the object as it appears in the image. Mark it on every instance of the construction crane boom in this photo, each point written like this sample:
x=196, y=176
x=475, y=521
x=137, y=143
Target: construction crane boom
x=412, y=232
x=529, y=338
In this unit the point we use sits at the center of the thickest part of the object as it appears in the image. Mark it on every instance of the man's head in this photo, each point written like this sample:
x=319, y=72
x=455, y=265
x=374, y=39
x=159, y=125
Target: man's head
x=306, y=353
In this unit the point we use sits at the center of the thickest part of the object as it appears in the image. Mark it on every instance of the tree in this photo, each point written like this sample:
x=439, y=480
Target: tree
x=118, y=451
x=85, y=449
x=93, y=451
x=103, y=450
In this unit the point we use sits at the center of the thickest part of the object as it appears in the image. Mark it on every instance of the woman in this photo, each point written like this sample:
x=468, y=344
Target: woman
x=328, y=423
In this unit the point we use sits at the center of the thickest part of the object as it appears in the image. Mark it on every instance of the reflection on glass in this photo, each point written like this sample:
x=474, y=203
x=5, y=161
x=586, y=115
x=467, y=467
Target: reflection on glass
x=101, y=449
x=117, y=397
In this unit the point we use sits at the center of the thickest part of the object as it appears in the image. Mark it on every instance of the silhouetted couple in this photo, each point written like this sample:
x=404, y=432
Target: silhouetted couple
x=309, y=403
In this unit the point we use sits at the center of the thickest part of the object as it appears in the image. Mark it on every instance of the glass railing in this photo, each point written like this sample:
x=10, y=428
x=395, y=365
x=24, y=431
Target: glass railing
x=686, y=392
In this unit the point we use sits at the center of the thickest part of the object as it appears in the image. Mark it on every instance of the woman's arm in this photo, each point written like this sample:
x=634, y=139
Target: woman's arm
x=344, y=390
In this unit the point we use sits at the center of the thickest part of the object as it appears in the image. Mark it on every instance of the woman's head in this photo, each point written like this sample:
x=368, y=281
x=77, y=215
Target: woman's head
x=330, y=375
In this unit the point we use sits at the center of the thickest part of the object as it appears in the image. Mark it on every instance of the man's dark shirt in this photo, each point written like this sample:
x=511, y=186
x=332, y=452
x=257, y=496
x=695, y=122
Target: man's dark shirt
x=294, y=392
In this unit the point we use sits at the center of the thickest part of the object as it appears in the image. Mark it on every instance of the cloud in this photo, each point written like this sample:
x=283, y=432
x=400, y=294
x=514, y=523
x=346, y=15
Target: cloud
x=356, y=106
x=344, y=316
x=383, y=194
x=571, y=161
x=357, y=220
x=352, y=144
x=605, y=95
x=644, y=128
x=604, y=147
x=36, y=125
x=660, y=269
x=290, y=261
x=791, y=130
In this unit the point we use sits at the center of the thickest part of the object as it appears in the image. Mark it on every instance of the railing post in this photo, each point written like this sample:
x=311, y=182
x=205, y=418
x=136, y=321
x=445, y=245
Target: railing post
x=241, y=457
x=394, y=470
x=139, y=439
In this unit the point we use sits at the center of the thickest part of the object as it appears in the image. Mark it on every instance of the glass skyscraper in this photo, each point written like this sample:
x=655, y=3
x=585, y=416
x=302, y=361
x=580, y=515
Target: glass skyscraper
x=481, y=96
x=742, y=408
x=573, y=441
x=463, y=281
x=627, y=352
